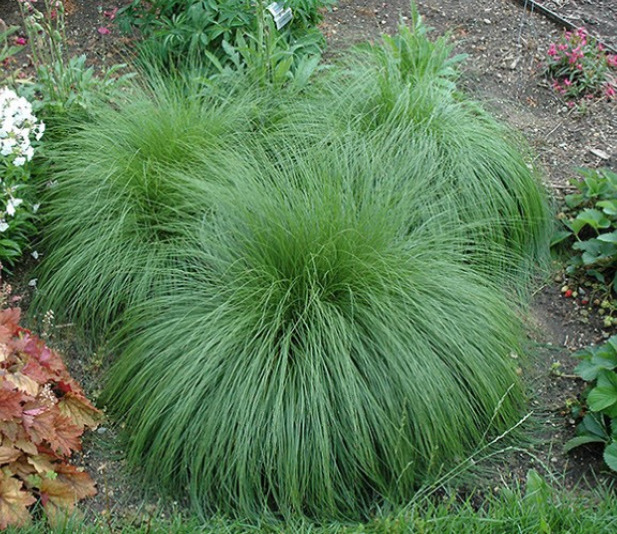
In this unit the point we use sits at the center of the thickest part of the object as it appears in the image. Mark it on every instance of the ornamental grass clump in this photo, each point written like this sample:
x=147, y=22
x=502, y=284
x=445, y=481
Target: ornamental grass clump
x=120, y=181
x=405, y=89
x=322, y=350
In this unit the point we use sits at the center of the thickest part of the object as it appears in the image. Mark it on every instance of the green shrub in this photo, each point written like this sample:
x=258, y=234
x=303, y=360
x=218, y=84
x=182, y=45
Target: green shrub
x=323, y=348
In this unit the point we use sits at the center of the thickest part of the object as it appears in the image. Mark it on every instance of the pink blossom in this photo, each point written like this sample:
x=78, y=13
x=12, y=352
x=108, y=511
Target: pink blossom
x=103, y=30
x=567, y=82
x=612, y=60
x=600, y=47
x=552, y=50
x=610, y=91
x=567, y=35
x=570, y=104
x=20, y=41
x=579, y=66
x=581, y=32
x=111, y=14
x=561, y=47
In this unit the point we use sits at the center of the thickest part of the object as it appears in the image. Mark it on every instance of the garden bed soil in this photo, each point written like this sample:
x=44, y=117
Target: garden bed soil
x=506, y=45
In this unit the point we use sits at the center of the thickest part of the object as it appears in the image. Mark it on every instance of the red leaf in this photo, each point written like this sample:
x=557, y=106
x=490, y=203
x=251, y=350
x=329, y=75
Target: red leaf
x=67, y=435
x=10, y=404
x=39, y=424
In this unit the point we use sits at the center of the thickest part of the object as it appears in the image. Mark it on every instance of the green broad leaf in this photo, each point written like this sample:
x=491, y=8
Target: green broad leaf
x=590, y=217
x=610, y=237
x=607, y=379
x=536, y=487
x=560, y=236
x=587, y=371
x=593, y=250
x=592, y=426
x=610, y=456
x=575, y=200
x=608, y=206
x=601, y=398
x=581, y=440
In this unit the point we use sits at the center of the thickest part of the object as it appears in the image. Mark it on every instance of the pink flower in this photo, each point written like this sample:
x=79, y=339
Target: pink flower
x=567, y=82
x=20, y=41
x=561, y=47
x=104, y=30
x=552, y=50
x=600, y=47
x=111, y=14
x=570, y=104
x=612, y=60
x=567, y=36
x=579, y=66
x=610, y=91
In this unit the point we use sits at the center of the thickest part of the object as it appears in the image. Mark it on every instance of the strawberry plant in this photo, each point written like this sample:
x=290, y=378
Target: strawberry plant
x=599, y=409
x=43, y=413
x=589, y=224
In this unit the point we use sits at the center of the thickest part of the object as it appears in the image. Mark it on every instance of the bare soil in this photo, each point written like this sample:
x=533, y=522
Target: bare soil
x=506, y=45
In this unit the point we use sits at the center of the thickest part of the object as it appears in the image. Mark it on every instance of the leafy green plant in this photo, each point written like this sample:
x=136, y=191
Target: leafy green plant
x=315, y=353
x=590, y=225
x=599, y=425
x=579, y=66
x=63, y=85
x=174, y=31
x=43, y=415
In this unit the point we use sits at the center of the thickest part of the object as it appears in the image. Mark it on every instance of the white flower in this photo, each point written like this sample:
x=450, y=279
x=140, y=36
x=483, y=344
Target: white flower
x=35, y=208
x=32, y=283
x=35, y=255
x=3, y=225
x=12, y=204
x=17, y=124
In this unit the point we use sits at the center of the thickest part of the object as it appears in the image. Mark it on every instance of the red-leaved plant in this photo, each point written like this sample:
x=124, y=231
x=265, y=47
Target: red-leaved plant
x=43, y=413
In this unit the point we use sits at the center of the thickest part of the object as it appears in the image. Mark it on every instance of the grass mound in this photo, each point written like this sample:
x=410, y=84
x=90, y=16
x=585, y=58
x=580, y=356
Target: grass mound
x=120, y=180
x=316, y=353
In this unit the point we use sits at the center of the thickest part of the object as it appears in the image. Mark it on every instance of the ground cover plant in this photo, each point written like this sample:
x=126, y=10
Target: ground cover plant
x=291, y=304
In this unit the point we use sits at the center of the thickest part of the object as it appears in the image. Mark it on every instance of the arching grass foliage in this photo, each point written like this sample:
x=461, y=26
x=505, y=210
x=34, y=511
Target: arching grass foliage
x=322, y=350
x=306, y=288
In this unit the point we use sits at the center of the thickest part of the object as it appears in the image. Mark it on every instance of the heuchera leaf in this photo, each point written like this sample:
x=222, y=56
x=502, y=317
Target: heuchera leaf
x=79, y=410
x=66, y=437
x=14, y=502
x=43, y=413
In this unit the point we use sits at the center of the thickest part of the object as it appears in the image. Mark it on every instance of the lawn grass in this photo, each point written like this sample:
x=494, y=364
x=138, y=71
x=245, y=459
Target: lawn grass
x=544, y=510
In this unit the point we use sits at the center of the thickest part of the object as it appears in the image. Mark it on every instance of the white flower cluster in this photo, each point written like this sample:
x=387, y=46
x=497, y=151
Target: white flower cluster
x=17, y=123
